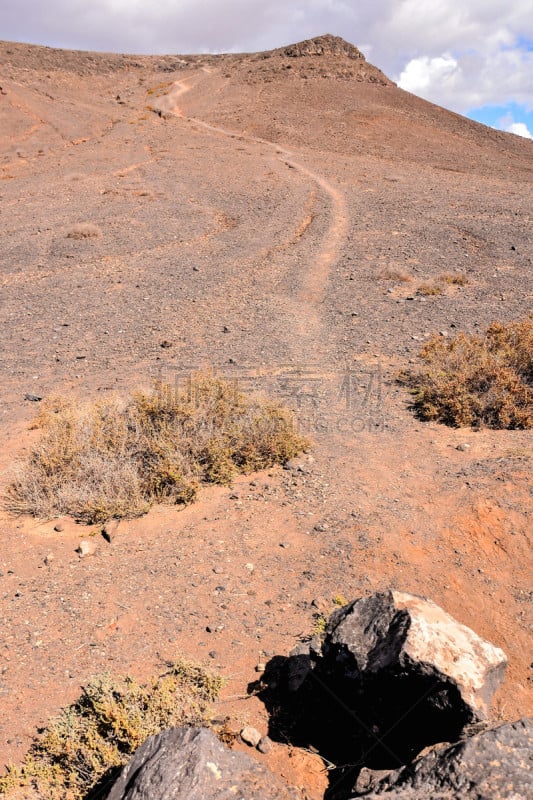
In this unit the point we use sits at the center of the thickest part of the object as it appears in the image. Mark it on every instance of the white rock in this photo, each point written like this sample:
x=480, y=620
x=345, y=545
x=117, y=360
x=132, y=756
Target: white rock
x=251, y=736
x=86, y=548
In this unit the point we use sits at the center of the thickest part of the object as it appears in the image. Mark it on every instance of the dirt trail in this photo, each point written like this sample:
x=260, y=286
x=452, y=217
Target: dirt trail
x=313, y=286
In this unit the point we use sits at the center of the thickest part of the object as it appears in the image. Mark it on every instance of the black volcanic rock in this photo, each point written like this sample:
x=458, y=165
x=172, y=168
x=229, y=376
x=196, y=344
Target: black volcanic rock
x=393, y=675
x=191, y=764
x=495, y=764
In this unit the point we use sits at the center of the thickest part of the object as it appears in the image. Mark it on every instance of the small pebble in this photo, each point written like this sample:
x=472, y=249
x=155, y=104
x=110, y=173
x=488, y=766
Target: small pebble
x=85, y=548
x=463, y=447
x=265, y=745
x=251, y=736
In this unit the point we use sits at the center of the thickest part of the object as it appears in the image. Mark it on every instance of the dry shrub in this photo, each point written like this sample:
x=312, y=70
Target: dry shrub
x=454, y=278
x=84, y=230
x=95, y=736
x=477, y=380
x=112, y=459
x=429, y=289
x=389, y=274
x=160, y=89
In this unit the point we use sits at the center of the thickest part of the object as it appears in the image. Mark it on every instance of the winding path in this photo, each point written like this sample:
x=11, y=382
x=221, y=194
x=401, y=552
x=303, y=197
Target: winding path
x=312, y=290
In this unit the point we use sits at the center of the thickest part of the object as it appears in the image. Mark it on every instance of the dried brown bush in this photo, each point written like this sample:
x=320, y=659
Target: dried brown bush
x=84, y=230
x=111, y=459
x=477, y=380
x=389, y=274
x=454, y=278
x=429, y=289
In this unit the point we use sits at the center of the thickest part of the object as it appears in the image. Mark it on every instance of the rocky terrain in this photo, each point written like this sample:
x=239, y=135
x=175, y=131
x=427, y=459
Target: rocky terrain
x=390, y=672
x=278, y=217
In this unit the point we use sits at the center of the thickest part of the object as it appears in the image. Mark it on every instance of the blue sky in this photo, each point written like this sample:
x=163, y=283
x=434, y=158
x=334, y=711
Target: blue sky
x=503, y=117
x=472, y=56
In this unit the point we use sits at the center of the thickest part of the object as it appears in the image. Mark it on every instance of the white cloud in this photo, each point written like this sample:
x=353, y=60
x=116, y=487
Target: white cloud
x=508, y=123
x=421, y=74
x=521, y=129
x=471, y=79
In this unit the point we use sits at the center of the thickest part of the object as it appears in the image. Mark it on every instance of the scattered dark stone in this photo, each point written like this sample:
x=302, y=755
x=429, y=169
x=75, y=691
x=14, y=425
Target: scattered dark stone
x=33, y=398
x=165, y=344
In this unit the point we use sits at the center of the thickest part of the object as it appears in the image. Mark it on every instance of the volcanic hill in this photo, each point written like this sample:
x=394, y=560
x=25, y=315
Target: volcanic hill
x=277, y=216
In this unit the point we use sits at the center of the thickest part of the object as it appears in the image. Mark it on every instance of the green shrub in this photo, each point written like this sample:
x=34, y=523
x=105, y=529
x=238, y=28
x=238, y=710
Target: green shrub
x=477, y=380
x=112, y=459
x=98, y=733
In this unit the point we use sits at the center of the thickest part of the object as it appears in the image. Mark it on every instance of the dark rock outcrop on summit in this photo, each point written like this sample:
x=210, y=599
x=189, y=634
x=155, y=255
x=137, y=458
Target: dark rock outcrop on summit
x=326, y=45
x=191, y=764
x=327, y=56
x=495, y=764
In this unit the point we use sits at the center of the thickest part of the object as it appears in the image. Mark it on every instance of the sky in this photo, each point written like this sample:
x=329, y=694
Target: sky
x=471, y=56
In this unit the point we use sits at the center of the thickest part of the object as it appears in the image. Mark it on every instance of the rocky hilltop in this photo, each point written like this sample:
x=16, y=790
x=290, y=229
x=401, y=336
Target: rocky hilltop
x=326, y=46
x=328, y=56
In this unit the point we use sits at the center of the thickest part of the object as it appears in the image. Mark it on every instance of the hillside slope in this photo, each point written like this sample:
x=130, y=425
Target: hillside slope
x=278, y=216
